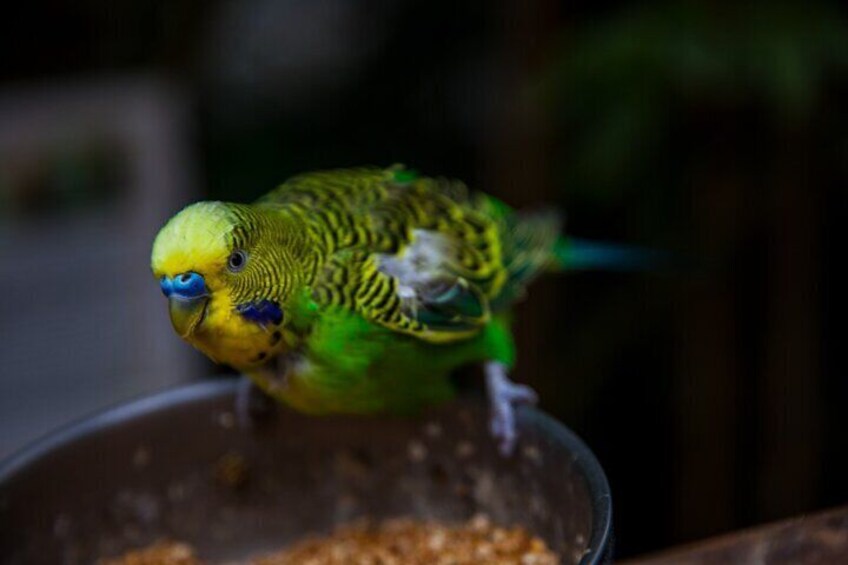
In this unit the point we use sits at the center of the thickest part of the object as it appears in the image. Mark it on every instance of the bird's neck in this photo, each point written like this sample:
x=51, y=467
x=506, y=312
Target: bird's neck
x=306, y=247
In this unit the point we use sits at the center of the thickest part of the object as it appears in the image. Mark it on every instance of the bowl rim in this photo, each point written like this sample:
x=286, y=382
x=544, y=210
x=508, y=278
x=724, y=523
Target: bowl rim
x=171, y=397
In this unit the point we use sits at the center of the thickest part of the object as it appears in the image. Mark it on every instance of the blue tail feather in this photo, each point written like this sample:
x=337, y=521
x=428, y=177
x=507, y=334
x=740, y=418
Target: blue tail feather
x=574, y=254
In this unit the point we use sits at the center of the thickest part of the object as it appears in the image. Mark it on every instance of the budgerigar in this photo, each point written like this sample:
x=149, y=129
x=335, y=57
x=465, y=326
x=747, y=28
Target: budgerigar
x=359, y=290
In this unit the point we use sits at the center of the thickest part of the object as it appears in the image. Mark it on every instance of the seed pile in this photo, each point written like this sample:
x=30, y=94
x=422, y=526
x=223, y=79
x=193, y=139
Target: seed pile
x=411, y=542
x=161, y=553
x=393, y=542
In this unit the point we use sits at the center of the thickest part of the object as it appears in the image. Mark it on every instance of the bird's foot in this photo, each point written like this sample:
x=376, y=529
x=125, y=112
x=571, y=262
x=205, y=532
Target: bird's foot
x=252, y=404
x=504, y=396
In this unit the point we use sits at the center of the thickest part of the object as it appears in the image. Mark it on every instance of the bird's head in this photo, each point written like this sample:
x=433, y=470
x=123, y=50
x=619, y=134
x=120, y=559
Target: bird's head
x=228, y=274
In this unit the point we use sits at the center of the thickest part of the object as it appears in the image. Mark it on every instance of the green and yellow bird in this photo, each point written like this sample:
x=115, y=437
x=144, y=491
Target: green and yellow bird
x=359, y=290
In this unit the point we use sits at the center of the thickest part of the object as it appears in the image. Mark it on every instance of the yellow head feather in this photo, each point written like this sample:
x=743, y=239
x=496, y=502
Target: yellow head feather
x=194, y=240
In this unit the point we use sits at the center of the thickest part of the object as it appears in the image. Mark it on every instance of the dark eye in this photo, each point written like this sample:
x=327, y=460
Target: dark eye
x=237, y=260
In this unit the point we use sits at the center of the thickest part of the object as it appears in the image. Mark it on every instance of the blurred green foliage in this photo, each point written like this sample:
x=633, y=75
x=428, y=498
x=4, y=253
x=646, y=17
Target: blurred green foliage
x=617, y=88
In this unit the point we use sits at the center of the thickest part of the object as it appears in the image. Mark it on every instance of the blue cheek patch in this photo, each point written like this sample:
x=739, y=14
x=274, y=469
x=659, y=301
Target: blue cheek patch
x=263, y=312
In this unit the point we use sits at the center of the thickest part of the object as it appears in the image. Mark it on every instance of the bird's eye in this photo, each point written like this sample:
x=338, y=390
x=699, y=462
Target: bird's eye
x=237, y=260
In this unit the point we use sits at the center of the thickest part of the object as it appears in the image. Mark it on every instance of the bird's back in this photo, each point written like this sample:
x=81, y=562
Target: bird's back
x=385, y=211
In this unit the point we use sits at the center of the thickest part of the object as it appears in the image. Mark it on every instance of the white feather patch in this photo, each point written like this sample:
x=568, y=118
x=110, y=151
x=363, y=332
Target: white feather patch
x=420, y=262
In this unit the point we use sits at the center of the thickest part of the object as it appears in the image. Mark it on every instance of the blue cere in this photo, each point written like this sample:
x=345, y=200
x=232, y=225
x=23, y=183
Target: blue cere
x=185, y=285
x=262, y=312
x=166, y=286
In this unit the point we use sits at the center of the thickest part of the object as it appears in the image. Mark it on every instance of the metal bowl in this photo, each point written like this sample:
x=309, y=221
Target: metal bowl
x=176, y=465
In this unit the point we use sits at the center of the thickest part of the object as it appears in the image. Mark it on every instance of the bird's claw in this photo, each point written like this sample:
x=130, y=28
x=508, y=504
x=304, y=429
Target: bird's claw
x=504, y=396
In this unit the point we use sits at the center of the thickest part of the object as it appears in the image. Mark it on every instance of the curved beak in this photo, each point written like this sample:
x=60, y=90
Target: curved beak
x=186, y=314
x=187, y=300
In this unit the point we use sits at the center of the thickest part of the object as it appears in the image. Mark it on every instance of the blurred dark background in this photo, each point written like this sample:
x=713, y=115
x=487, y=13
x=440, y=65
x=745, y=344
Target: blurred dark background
x=712, y=393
